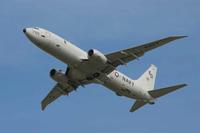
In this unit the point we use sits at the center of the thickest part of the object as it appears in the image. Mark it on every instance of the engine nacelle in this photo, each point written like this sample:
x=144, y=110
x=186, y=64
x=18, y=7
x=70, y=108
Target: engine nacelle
x=59, y=76
x=97, y=56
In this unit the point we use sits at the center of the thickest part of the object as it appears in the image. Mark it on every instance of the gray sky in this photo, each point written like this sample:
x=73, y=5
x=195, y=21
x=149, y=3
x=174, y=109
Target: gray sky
x=107, y=25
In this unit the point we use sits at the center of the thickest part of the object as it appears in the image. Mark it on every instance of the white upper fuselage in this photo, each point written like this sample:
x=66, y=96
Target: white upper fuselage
x=73, y=56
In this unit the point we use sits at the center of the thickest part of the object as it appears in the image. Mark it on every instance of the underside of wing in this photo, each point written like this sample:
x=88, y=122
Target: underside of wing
x=124, y=56
x=55, y=93
x=65, y=84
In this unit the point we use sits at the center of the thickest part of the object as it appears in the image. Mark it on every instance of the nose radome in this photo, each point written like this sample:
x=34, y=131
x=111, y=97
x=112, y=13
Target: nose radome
x=24, y=30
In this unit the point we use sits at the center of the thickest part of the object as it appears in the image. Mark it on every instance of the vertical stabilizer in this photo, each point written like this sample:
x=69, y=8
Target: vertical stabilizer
x=147, y=80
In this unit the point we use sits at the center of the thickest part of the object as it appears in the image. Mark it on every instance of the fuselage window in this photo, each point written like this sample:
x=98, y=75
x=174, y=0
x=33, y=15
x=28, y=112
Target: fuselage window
x=57, y=45
x=42, y=35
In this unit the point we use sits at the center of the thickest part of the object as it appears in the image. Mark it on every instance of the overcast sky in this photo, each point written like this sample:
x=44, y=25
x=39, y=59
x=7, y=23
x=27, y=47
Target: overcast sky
x=107, y=25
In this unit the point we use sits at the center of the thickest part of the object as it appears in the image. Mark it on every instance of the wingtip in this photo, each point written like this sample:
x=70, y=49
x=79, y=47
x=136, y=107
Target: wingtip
x=132, y=110
x=43, y=107
x=179, y=37
x=184, y=85
x=183, y=36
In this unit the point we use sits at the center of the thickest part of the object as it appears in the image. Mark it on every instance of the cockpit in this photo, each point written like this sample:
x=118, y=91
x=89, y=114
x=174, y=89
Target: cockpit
x=36, y=28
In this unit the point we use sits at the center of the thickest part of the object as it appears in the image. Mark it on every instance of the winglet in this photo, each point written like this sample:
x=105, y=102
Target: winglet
x=43, y=106
x=175, y=37
x=179, y=37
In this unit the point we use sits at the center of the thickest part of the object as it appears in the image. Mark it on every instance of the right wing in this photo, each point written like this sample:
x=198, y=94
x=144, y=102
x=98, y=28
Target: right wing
x=63, y=89
x=124, y=56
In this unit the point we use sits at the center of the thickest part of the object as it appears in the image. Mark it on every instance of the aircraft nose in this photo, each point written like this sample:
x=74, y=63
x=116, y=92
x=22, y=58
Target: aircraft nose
x=24, y=30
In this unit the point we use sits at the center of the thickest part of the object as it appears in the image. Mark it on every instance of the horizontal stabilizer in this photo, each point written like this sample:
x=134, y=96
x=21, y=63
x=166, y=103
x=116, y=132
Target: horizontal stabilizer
x=163, y=91
x=138, y=104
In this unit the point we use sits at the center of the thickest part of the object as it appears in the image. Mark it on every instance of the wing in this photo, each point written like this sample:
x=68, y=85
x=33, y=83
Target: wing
x=137, y=105
x=57, y=91
x=63, y=88
x=124, y=56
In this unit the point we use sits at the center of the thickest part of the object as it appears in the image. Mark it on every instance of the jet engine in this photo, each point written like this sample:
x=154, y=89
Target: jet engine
x=63, y=80
x=58, y=76
x=97, y=56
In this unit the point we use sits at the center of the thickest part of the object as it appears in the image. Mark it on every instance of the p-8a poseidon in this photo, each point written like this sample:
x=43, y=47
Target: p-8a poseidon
x=95, y=67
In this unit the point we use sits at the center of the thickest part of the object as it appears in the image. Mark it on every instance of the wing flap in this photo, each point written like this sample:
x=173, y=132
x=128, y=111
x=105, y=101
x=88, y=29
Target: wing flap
x=163, y=91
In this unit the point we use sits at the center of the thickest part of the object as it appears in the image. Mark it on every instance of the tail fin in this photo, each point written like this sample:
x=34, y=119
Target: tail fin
x=147, y=80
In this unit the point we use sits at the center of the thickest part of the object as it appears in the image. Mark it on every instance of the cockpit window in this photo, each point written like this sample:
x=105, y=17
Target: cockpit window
x=65, y=41
x=36, y=32
x=36, y=28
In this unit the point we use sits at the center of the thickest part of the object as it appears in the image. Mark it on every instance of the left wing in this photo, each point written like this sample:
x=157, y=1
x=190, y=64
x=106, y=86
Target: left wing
x=124, y=56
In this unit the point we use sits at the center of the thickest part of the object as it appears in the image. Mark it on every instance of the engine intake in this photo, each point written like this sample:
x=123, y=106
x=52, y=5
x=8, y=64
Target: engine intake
x=90, y=52
x=52, y=72
x=58, y=76
x=97, y=56
x=62, y=79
